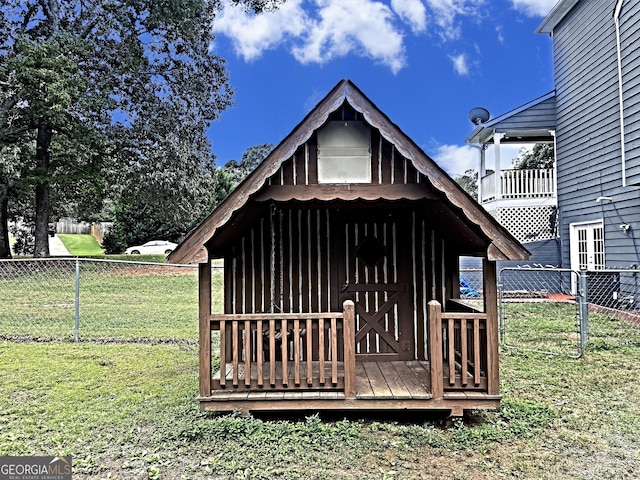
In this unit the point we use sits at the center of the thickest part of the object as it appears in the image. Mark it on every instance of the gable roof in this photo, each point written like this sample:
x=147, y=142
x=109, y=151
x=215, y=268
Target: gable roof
x=558, y=12
x=528, y=122
x=503, y=245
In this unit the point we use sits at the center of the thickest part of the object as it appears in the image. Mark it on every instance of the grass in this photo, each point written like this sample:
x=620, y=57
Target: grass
x=126, y=411
x=116, y=300
x=81, y=245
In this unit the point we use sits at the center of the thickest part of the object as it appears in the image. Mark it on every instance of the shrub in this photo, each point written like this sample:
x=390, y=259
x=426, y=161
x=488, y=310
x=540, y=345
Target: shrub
x=114, y=241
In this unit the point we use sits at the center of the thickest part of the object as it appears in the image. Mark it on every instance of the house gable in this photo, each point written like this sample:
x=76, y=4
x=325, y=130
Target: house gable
x=397, y=170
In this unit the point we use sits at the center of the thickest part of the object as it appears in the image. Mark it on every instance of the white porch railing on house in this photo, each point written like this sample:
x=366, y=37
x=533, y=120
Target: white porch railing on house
x=534, y=183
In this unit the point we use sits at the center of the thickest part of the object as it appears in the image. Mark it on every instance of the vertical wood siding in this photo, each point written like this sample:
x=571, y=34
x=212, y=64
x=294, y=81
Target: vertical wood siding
x=297, y=258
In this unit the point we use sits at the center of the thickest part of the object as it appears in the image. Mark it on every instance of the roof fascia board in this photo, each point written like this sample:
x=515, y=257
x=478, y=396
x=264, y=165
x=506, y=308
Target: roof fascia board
x=477, y=134
x=556, y=15
x=345, y=89
x=270, y=165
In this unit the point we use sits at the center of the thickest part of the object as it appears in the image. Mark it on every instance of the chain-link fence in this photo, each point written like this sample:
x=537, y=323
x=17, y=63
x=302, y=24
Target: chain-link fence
x=613, y=308
x=99, y=299
x=540, y=308
x=471, y=283
x=564, y=312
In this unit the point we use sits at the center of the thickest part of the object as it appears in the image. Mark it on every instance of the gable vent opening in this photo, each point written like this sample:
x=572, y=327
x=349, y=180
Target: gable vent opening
x=344, y=152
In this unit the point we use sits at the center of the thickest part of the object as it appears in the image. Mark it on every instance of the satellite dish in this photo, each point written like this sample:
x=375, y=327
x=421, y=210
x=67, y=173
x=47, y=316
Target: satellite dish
x=479, y=115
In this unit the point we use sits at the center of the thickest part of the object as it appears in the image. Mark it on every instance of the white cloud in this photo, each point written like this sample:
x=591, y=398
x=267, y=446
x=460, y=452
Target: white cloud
x=445, y=12
x=460, y=64
x=534, y=8
x=457, y=159
x=346, y=26
x=317, y=31
x=411, y=11
x=252, y=34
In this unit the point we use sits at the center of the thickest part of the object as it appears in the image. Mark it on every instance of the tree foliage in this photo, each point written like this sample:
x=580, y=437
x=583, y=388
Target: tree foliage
x=540, y=156
x=104, y=86
x=251, y=158
x=469, y=182
x=228, y=177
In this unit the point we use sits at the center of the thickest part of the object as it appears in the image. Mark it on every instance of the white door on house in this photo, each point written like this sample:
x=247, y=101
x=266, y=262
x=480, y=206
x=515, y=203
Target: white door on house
x=587, y=245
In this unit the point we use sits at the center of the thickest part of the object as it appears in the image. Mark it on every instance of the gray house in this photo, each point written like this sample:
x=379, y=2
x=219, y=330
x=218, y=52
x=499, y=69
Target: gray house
x=593, y=118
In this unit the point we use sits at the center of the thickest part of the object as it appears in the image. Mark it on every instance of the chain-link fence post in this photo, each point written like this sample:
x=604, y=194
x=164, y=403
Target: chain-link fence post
x=583, y=295
x=76, y=329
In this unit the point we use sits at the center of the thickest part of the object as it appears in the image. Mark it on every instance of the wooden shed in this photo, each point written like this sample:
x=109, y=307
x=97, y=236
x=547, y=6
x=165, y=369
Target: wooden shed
x=341, y=276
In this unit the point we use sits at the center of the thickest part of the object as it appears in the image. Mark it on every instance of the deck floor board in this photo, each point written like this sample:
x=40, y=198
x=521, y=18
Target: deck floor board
x=380, y=385
x=380, y=380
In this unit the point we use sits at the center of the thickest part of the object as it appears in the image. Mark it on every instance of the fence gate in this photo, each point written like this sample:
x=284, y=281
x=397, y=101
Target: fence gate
x=540, y=310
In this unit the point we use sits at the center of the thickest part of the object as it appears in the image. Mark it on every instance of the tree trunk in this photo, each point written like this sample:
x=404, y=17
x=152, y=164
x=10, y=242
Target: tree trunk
x=5, y=248
x=43, y=203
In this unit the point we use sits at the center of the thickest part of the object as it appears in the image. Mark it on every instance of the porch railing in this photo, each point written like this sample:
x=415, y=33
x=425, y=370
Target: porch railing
x=516, y=183
x=286, y=351
x=459, y=351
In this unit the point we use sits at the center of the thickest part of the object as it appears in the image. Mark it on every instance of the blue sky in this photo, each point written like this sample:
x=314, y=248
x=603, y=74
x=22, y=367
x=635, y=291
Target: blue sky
x=424, y=63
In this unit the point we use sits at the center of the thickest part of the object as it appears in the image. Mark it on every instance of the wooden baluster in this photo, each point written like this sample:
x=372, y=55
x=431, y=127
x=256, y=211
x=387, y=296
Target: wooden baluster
x=309, y=356
x=235, y=353
x=452, y=350
x=334, y=351
x=223, y=353
x=272, y=352
x=463, y=352
x=259, y=352
x=247, y=353
x=321, y=351
x=285, y=353
x=296, y=351
x=476, y=352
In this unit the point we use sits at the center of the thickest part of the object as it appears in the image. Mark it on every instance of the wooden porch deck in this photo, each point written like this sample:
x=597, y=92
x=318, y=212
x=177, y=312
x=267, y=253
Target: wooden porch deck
x=379, y=386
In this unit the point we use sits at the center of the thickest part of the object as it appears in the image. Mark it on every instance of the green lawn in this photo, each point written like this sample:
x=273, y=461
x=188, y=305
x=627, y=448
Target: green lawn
x=128, y=411
x=81, y=245
x=126, y=301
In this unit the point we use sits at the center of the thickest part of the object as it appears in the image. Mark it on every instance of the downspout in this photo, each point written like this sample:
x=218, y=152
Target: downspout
x=616, y=18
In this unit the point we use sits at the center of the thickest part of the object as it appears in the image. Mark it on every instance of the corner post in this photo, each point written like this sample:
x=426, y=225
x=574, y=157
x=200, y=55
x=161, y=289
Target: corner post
x=490, y=287
x=349, y=318
x=435, y=349
x=204, y=339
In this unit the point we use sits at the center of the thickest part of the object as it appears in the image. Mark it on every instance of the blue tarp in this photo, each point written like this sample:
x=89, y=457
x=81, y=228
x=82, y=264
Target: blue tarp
x=466, y=290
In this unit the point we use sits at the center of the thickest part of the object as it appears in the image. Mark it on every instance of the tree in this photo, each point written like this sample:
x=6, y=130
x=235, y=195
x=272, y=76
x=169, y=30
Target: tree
x=250, y=160
x=228, y=177
x=540, y=156
x=164, y=182
x=469, y=182
x=72, y=69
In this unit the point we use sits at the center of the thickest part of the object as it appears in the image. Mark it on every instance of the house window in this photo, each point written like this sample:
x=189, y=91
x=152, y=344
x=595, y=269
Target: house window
x=587, y=245
x=344, y=152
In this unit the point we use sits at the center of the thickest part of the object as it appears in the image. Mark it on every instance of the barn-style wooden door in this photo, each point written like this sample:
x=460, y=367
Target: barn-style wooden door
x=372, y=269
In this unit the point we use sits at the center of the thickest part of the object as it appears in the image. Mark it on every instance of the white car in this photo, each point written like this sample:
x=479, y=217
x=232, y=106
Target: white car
x=154, y=246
